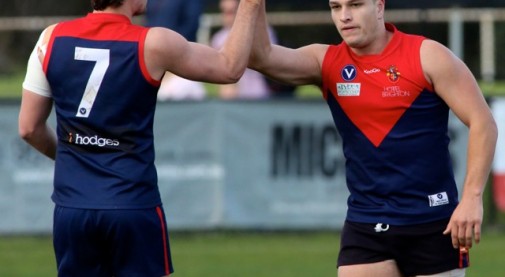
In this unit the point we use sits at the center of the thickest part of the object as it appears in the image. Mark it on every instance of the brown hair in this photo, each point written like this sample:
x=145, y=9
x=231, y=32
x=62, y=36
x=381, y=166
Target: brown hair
x=100, y=5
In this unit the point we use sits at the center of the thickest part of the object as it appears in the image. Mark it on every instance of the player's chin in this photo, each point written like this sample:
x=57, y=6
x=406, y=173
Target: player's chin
x=356, y=43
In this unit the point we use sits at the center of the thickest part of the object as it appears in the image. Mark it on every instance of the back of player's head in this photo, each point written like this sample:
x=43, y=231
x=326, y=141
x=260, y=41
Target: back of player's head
x=100, y=5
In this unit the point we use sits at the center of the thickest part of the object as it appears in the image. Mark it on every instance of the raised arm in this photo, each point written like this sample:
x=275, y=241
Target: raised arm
x=300, y=66
x=454, y=82
x=168, y=51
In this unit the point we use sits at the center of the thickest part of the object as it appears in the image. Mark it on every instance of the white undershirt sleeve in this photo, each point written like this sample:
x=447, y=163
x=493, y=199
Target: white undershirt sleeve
x=35, y=79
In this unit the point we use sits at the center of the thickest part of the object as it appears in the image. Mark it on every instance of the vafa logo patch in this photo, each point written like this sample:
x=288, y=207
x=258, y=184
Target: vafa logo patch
x=349, y=73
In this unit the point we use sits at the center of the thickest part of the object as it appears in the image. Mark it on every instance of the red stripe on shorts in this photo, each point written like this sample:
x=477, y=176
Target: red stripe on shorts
x=164, y=233
x=464, y=258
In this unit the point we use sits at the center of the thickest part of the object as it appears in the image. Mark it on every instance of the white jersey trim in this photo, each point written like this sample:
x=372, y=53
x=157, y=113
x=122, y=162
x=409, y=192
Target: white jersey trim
x=35, y=78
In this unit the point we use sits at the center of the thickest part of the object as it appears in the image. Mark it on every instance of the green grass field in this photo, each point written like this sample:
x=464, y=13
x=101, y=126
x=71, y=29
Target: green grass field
x=239, y=254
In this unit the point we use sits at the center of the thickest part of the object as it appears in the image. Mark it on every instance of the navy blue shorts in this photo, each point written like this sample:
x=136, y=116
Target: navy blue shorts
x=109, y=243
x=417, y=249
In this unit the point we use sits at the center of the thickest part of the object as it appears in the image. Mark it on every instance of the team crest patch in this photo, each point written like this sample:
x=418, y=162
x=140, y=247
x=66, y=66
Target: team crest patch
x=393, y=74
x=349, y=73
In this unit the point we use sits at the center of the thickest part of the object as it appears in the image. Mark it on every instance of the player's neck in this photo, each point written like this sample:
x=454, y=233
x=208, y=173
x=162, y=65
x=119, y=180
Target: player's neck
x=122, y=10
x=377, y=44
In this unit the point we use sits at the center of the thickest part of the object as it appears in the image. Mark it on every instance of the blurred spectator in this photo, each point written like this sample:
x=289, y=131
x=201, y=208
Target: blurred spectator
x=175, y=88
x=183, y=17
x=252, y=85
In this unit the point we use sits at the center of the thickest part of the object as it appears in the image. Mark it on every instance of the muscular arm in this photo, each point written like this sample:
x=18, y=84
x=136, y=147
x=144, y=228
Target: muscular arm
x=35, y=110
x=36, y=102
x=168, y=51
x=456, y=85
x=300, y=66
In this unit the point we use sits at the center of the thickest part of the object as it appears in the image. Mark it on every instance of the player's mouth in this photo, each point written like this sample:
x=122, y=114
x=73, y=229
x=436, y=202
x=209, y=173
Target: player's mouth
x=348, y=29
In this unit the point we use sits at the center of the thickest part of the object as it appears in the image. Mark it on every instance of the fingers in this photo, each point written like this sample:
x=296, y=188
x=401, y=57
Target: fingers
x=463, y=235
x=454, y=234
x=476, y=233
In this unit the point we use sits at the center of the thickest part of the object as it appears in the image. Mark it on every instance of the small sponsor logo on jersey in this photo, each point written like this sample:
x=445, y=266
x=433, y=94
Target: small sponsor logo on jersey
x=348, y=89
x=349, y=73
x=372, y=71
x=395, y=91
x=393, y=74
x=92, y=140
x=438, y=199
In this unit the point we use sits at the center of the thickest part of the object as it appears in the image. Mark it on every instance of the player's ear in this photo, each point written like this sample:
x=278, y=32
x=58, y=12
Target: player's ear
x=380, y=8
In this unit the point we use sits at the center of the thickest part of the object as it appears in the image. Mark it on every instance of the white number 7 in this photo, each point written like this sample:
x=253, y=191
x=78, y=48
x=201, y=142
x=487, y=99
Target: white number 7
x=102, y=58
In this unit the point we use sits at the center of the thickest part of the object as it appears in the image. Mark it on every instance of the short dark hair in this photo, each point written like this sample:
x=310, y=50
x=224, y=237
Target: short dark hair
x=100, y=5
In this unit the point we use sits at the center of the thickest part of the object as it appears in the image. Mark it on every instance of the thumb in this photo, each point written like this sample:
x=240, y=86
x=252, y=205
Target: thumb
x=447, y=230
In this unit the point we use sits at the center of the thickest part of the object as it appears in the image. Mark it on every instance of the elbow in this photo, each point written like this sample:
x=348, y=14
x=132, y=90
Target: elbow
x=487, y=130
x=26, y=133
x=234, y=76
x=492, y=127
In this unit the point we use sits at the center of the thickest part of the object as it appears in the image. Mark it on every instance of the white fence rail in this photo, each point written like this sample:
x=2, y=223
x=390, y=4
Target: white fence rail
x=34, y=23
x=455, y=17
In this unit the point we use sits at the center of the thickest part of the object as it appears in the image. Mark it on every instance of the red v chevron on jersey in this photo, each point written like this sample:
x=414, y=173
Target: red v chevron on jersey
x=376, y=110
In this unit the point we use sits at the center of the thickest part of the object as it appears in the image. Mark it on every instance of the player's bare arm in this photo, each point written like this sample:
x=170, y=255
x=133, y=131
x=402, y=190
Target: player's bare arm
x=168, y=51
x=36, y=108
x=300, y=66
x=454, y=82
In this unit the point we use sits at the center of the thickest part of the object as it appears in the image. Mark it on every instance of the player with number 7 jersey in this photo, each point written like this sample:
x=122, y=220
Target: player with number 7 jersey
x=104, y=100
x=102, y=74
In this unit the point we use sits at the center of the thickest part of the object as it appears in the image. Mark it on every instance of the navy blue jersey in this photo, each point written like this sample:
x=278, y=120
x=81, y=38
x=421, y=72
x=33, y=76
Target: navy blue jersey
x=105, y=103
x=395, y=134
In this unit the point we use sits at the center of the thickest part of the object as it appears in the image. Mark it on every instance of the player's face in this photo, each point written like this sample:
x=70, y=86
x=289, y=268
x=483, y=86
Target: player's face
x=357, y=21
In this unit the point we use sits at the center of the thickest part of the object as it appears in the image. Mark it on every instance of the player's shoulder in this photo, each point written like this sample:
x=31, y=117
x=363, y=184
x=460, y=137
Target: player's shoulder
x=433, y=44
x=330, y=51
x=434, y=51
x=47, y=32
x=317, y=49
x=158, y=35
x=163, y=39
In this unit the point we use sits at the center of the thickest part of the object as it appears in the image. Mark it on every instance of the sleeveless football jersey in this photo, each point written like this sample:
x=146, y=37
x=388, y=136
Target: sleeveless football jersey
x=394, y=129
x=104, y=101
